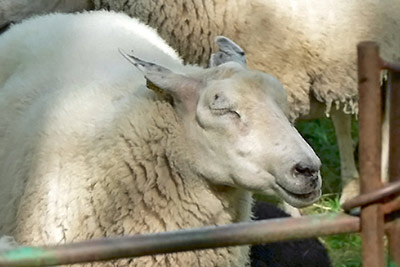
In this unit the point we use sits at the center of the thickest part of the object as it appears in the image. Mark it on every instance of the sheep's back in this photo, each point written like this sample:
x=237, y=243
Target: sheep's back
x=82, y=140
x=62, y=80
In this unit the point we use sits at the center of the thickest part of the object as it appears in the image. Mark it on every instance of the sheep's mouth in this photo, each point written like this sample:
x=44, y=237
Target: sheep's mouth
x=299, y=200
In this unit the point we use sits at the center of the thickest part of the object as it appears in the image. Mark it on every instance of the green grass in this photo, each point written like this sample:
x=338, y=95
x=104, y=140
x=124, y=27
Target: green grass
x=344, y=249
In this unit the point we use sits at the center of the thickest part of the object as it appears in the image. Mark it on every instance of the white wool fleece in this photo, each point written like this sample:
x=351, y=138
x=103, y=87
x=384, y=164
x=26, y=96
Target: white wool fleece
x=87, y=151
x=309, y=45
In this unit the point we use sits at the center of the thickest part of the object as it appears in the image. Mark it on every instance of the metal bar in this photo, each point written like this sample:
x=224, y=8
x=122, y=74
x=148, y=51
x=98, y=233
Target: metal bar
x=372, y=197
x=392, y=206
x=206, y=237
x=394, y=156
x=370, y=105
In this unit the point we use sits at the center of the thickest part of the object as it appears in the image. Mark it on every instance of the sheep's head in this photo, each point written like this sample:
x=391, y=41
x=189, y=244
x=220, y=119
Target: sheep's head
x=236, y=120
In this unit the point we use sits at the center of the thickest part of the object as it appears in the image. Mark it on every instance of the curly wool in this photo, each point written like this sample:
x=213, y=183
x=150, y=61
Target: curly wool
x=309, y=45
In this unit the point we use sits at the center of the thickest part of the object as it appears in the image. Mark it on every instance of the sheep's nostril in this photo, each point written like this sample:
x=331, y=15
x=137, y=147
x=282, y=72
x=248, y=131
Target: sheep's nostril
x=305, y=170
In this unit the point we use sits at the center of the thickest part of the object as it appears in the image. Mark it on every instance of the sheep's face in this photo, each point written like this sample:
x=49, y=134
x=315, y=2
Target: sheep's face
x=235, y=122
x=243, y=138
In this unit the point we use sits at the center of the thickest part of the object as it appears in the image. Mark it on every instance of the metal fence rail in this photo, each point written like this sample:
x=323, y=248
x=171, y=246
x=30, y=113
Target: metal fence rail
x=183, y=240
x=380, y=204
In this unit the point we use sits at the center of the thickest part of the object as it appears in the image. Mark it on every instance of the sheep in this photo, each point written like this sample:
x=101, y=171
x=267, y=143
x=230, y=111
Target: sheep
x=304, y=252
x=299, y=41
x=308, y=45
x=88, y=151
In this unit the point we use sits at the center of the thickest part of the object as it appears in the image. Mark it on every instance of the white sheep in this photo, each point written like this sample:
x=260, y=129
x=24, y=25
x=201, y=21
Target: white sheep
x=309, y=45
x=88, y=151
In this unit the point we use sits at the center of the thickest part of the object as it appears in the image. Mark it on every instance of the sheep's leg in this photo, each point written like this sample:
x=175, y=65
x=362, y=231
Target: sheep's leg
x=385, y=148
x=349, y=173
x=386, y=96
x=343, y=133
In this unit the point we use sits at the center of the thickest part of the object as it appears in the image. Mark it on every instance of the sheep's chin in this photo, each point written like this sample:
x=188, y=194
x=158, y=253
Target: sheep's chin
x=297, y=200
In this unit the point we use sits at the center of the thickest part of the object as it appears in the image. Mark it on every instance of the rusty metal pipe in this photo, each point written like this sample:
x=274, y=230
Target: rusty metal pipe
x=392, y=206
x=372, y=197
x=207, y=237
x=370, y=105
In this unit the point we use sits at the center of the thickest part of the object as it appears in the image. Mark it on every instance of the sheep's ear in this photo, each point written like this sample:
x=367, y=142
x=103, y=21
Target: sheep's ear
x=228, y=51
x=183, y=89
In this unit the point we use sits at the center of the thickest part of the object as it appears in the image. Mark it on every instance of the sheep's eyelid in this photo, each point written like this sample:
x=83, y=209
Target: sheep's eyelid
x=223, y=111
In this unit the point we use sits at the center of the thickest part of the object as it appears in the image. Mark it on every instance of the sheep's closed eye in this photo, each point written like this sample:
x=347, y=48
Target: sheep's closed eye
x=222, y=112
x=234, y=112
x=220, y=106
